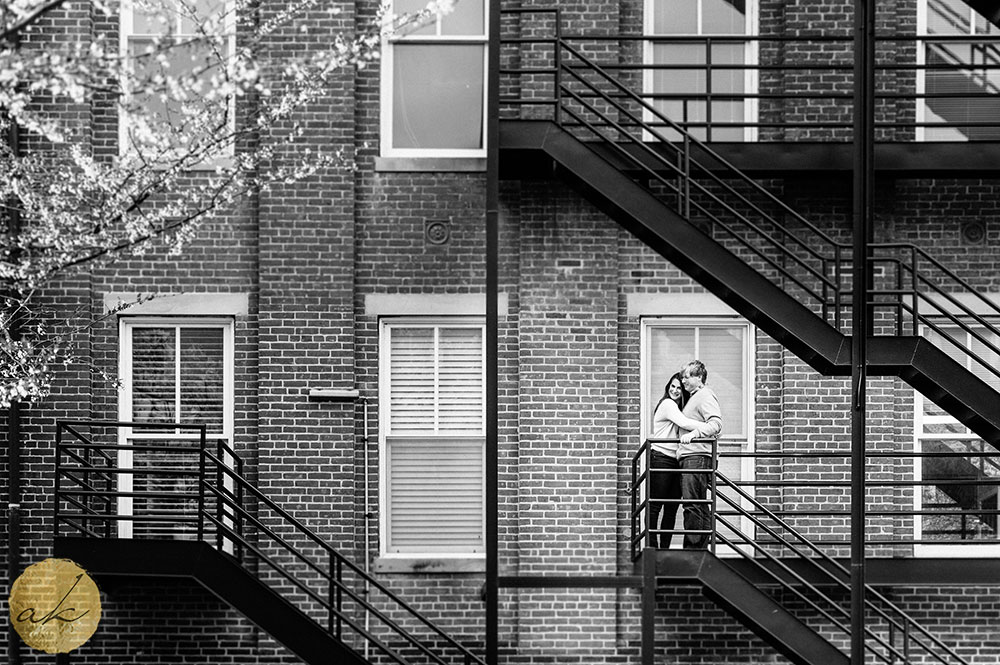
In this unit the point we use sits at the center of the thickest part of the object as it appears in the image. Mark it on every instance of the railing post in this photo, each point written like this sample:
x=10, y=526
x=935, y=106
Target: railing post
x=712, y=507
x=339, y=567
x=201, y=486
x=708, y=89
x=55, y=480
x=647, y=512
x=220, y=488
x=239, y=504
x=632, y=519
x=687, y=173
x=916, y=298
x=899, y=298
x=557, y=61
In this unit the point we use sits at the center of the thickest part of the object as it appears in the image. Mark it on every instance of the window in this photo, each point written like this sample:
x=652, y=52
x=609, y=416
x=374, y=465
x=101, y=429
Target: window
x=725, y=346
x=681, y=31
x=189, y=40
x=433, y=84
x=172, y=371
x=432, y=437
x=957, y=499
x=962, y=69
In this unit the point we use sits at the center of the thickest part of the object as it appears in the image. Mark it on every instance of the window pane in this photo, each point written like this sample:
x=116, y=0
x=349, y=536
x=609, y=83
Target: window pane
x=165, y=108
x=465, y=19
x=426, y=27
x=947, y=17
x=202, y=372
x=438, y=96
x=202, y=16
x=957, y=110
x=669, y=348
x=153, y=17
x=956, y=491
x=724, y=17
x=721, y=349
x=461, y=399
x=154, y=376
x=675, y=17
x=411, y=378
x=435, y=497
x=989, y=356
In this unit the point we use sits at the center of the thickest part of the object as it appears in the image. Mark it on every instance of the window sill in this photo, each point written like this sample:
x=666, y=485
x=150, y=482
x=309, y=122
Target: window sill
x=429, y=565
x=430, y=164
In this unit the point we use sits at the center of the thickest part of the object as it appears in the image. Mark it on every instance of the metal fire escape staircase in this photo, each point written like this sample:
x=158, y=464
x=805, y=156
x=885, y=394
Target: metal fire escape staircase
x=781, y=272
x=193, y=515
x=742, y=243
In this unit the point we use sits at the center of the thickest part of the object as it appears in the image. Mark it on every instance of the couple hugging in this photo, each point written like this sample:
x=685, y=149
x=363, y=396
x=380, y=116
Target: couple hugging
x=688, y=410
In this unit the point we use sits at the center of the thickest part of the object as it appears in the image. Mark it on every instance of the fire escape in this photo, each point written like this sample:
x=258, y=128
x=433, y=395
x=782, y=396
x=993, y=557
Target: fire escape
x=570, y=110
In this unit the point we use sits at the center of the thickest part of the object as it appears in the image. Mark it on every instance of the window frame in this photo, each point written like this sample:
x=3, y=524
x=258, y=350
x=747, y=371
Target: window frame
x=126, y=324
x=125, y=33
x=386, y=97
x=751, y=106
x=985, y=549
x=647, y=403
x=385, y=326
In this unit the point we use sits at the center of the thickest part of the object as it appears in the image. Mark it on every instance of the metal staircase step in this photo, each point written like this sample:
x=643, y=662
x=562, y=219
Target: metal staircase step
x=221, y=575
x=745, y=602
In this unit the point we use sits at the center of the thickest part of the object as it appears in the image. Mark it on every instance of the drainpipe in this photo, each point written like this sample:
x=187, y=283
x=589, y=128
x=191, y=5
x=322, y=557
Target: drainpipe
x=369, y=516
x=14, y=448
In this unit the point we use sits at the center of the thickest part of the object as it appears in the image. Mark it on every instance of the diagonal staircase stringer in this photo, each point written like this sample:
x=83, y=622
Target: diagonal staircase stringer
x=824, y=348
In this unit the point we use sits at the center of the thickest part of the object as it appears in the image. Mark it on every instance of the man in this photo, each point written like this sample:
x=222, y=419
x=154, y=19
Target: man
x=697, y=455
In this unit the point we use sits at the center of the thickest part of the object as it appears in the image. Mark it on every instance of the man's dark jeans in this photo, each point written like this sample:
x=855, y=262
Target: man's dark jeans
x=663, y=486
x=697, y=516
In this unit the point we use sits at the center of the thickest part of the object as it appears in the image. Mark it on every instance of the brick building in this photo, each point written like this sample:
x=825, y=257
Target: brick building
x=674, y=182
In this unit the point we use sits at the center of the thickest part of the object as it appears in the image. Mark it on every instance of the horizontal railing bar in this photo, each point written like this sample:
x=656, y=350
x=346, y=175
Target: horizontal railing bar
x=132, y=494
x=138, y=471
x=139, y=447
x=145, y=517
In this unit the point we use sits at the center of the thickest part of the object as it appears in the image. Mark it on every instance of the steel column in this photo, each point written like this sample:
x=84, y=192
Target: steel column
x=492, y=323
x=864, y=175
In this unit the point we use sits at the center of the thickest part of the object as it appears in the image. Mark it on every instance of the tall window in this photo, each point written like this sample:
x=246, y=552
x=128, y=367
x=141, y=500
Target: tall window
x=172, y=371
x=725, y=346
x=433, y=84
x=961, y=510
x=702, y=41
x=433, y=433
x=962, y=68
x=185, y=40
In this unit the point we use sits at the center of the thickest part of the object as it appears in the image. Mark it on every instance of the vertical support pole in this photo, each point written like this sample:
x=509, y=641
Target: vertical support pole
x=220, y=493
x=863, y=186
x=648, y=647
x=714, y=506
x=492, y=338
x=651, y=540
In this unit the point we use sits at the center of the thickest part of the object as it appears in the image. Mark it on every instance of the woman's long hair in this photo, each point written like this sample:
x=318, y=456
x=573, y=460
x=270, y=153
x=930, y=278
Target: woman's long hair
x=685, y=395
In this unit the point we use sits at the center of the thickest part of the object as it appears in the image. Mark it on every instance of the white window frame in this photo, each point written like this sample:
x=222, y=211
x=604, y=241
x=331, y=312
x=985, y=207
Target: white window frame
x=921, y=550
x=747, y=466
x=125, y=33
x=126, y=324
x=385, y=326
x=386, y=89
x=750, y=54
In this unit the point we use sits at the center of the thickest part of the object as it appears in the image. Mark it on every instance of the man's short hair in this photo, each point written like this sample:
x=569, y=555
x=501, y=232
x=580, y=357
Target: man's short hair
x=696, y=368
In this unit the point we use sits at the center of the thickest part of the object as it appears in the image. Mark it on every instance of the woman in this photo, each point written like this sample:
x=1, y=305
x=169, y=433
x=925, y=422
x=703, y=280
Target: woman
x=668, y=424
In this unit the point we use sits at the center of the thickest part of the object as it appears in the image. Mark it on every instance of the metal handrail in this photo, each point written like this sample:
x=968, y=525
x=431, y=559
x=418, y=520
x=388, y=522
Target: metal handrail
x=833, y=565
x=917, y=640
x=221, y=495
x=580, y=85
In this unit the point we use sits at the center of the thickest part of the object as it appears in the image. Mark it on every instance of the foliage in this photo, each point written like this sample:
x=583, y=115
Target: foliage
x=204, y=105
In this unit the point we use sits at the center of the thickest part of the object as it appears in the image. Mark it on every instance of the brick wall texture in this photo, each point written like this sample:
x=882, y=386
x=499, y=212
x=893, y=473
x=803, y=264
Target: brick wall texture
x=309, y=257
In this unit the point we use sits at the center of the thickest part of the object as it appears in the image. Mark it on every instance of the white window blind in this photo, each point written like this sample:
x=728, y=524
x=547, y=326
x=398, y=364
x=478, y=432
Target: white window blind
x=958, y=68
x=434, y=436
